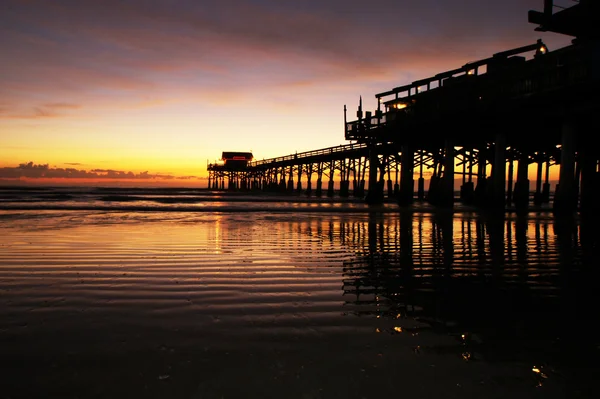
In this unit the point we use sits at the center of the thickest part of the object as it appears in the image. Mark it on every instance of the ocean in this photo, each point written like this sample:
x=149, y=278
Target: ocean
x=188, y=293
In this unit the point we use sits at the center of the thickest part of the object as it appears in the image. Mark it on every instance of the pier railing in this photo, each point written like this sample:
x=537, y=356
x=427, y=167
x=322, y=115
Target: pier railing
x=337, y=152
x=309, y=155
x=507, y=83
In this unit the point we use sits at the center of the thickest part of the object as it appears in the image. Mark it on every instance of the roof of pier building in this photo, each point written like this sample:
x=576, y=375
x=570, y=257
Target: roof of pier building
x=232, y=158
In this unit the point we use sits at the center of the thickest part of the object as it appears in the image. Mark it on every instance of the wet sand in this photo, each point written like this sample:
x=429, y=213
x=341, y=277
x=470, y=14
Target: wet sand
x=300, y=305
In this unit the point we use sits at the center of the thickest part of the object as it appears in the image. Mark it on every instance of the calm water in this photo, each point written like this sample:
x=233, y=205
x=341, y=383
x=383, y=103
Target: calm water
x=192, y=295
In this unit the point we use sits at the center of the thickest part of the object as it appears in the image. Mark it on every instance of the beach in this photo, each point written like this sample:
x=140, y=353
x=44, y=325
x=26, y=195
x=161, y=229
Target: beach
x=296, y=298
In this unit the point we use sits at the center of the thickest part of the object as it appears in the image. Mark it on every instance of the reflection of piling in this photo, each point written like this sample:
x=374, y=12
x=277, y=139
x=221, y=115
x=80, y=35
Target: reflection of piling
x=521, y=225
x=494, y=225
x=372, y=233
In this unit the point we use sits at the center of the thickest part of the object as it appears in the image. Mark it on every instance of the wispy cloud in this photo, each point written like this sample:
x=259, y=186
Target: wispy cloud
x=50, y=110
x=219, y=52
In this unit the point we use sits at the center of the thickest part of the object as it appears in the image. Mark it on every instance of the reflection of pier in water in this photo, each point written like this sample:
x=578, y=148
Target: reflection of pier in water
x=499, y=276
x=518, y=289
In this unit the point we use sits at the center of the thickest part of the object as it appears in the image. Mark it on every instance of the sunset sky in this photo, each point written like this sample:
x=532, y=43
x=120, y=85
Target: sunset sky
x=164, y=86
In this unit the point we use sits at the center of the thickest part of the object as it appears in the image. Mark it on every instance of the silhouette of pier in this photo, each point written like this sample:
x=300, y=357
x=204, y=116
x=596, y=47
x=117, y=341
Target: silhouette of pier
x=528, y=106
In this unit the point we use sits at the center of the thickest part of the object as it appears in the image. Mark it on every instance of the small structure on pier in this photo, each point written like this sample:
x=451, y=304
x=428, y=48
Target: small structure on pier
x=233, y=170
x=236, y=160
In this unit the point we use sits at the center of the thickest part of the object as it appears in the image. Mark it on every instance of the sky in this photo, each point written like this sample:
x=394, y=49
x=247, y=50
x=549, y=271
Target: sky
x=153, y=90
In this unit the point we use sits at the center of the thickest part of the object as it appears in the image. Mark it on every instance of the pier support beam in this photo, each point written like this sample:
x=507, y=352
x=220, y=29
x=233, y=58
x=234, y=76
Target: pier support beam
x=282, y=184
x=407, y=183
x=521, y=195
x=345, y=178
x=447, y=192
x=421, y=188
x=499, y=172
x=480, y=188
x=345, y=188
x=396, y=184
x=509, y=183
x=434, y=186
x=546, y=187
x=565, y=198
x=467, y=190
x=538, y=197
x=421, y=181
x=590, y=179
x=375, y=194
x=319, y=188
x=331, y=178
x=390, y=183
x=309, y=172
x=299, y=184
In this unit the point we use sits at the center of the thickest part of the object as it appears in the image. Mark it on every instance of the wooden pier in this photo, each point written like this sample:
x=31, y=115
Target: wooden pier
x=528, y=106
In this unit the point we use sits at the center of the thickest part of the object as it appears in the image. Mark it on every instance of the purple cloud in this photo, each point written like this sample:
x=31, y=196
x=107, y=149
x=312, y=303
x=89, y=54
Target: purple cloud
x=90, y=52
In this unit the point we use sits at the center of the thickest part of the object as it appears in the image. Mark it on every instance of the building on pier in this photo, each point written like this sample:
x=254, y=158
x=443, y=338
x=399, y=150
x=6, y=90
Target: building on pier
x=233, y=169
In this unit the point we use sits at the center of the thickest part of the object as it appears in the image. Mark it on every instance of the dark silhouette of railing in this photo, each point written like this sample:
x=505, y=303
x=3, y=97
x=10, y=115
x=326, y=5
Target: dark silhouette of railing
x=308, y=156
x=510, y=84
